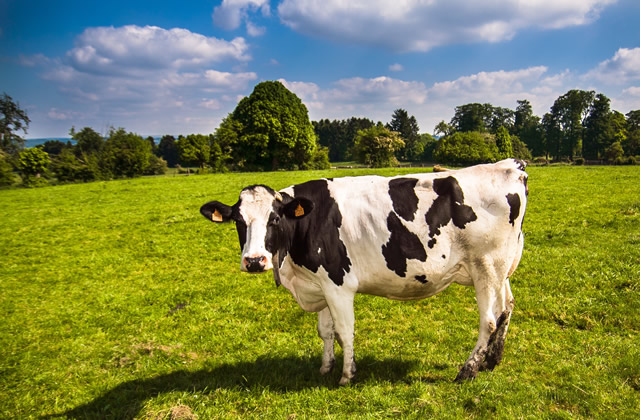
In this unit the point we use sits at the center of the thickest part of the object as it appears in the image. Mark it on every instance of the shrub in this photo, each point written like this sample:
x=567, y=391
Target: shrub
x=466, y=149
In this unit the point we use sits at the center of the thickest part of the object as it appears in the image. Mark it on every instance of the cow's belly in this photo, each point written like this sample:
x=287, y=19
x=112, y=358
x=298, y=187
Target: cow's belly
x=420, y=282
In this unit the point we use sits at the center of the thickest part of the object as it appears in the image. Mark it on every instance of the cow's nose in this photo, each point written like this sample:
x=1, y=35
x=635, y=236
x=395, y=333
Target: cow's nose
x=255, y=264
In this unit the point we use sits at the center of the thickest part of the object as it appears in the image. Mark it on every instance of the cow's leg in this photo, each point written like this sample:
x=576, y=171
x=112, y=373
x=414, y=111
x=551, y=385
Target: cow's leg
x=326, y=333
x=341, y=307
x=492, y=296
x=495, y=346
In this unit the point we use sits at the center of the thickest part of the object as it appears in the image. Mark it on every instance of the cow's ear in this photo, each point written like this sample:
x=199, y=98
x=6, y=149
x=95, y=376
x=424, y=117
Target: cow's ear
x=297, y=208
x=216, y=211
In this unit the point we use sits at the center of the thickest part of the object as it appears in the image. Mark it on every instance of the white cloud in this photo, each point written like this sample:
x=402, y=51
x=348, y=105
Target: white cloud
x=229, y=81
x=136, y=50
x=231, y=13
x=396, y=67
x=622, y=68
x=419, y=25
x=60, y=115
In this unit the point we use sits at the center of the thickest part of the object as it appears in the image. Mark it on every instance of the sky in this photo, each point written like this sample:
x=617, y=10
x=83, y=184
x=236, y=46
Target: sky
x=179, y=67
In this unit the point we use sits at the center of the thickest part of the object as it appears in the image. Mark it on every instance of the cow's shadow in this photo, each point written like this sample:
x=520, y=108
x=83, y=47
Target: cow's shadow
x=278, y=374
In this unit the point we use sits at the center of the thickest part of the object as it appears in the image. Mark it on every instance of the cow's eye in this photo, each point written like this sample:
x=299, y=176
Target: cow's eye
x=275, y=220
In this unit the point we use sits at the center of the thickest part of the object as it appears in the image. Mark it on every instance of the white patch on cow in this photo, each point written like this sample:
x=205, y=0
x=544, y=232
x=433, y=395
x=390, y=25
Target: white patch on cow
x=319, y=250
x=256, y=206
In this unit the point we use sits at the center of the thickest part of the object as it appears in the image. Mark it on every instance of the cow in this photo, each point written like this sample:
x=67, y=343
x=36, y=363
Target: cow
x=404, y=237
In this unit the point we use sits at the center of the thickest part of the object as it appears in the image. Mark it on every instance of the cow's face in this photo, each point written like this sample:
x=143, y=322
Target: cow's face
x=261, y=215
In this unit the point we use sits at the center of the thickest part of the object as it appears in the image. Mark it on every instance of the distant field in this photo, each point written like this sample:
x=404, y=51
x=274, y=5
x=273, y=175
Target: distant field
x=118, y=300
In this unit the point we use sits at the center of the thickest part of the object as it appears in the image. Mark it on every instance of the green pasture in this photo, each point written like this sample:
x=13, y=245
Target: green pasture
x=118, y=300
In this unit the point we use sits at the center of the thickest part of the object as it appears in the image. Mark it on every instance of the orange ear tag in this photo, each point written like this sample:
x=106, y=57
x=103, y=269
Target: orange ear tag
x=216, y=216
x=299, y=211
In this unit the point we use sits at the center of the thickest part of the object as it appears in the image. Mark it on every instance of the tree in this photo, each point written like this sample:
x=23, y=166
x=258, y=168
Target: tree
x=376, y=146
x=33, y=162
x=633, y=133
x=466, y=148
x=88, y=142
x=552, y=135
x=598, y=128
x=6, y=170
x=571, y=110
x=274, y=130
x=443, y=129
x=408, y=129
x=194, y=149
x=125, y=154
x=528, y=129
x=168, y=150
x=13, y=119
x=471, y=117
x=503, y=143
x=614, y=152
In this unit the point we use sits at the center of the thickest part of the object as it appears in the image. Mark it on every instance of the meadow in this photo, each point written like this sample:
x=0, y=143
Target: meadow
x=119, y=300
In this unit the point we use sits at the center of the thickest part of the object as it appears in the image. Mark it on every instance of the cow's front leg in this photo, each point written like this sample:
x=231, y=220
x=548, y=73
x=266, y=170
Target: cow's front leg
x=341, y=307
x=326, y=333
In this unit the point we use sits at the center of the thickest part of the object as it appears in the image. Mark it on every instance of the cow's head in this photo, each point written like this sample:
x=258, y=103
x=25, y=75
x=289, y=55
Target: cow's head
x=261, y=216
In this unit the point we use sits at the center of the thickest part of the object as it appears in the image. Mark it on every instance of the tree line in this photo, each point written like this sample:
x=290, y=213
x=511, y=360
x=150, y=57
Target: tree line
x=270, y=130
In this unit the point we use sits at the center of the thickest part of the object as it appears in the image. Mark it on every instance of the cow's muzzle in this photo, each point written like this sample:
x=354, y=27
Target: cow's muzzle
x=255, y=264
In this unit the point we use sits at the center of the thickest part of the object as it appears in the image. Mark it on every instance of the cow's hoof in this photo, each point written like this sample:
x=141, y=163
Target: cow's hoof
x=466, y=373
x=344, y=381
x=328, y=368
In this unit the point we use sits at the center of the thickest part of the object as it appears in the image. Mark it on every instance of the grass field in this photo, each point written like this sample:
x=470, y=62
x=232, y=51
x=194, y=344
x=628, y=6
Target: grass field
x=118, y=300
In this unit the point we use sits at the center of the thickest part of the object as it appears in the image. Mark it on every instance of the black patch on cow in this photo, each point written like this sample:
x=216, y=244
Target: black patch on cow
x=404, y=198
x=449, y=206
x=514, y=207
x=314, y=240
x=403, y=245
x=422, y=279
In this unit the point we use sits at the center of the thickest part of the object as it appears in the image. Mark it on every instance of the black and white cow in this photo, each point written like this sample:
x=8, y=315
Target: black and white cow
x=405, y=237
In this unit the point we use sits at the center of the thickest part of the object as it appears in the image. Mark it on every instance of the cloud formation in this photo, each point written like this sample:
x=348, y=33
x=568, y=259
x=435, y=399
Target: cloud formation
x=622, y=68
x=138, y=75
x=139, y=49
x=231, y=13
x=418, y=25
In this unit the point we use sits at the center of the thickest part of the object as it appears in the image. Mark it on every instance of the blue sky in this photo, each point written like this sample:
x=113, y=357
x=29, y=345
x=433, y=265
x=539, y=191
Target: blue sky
x=179, y=67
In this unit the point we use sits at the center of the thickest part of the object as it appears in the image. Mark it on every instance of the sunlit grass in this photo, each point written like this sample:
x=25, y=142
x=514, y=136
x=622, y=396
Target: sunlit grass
x=117, y=299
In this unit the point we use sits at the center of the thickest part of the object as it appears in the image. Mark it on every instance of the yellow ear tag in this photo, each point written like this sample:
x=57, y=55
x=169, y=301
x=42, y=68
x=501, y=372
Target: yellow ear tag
x=216, y=216
x=299, y=211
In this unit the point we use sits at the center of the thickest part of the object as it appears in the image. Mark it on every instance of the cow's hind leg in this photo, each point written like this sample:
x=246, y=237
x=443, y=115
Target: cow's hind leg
x=495, y=303
x=495, y=346
x=326, y=333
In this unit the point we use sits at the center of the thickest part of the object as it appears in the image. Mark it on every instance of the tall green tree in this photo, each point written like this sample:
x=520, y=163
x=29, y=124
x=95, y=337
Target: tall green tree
x=633, y=133
x=552, y=135
x=571, y=110
x=472, y=117
x=598, y=128
x=503, y=143
x=194, y=149
x=168, y=150
x=528, y=128
x=12, y=119
x=407, y=127
x=376, y=146
x=275, y=131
